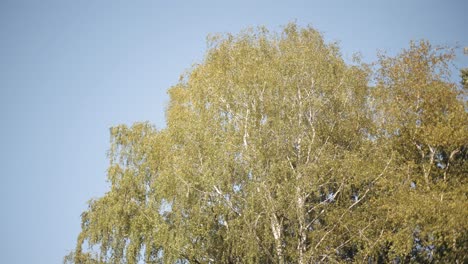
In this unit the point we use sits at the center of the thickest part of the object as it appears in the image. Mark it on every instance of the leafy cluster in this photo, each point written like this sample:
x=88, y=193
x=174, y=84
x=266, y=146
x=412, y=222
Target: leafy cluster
x=277, y=151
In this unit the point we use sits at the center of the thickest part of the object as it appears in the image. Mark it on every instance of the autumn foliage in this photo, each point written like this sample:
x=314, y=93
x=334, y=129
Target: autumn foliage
x=278, y=151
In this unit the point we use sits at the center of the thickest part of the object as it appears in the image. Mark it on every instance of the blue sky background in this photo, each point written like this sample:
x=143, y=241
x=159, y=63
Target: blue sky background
x=69, y=70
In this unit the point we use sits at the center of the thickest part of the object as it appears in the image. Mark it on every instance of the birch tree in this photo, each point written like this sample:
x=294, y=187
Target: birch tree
x=277, y=151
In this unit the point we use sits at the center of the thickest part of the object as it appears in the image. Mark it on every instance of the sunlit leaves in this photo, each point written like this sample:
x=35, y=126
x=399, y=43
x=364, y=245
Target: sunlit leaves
x=277, y=151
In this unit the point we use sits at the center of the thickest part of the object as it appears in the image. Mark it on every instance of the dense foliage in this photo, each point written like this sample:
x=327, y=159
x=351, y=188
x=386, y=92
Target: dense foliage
x=277, y=151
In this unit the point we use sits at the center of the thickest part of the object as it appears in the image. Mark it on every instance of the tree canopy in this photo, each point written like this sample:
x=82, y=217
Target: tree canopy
x=278, y=151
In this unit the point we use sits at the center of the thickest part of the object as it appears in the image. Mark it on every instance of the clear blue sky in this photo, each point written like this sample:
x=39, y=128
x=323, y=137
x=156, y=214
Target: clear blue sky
x=69, y=70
